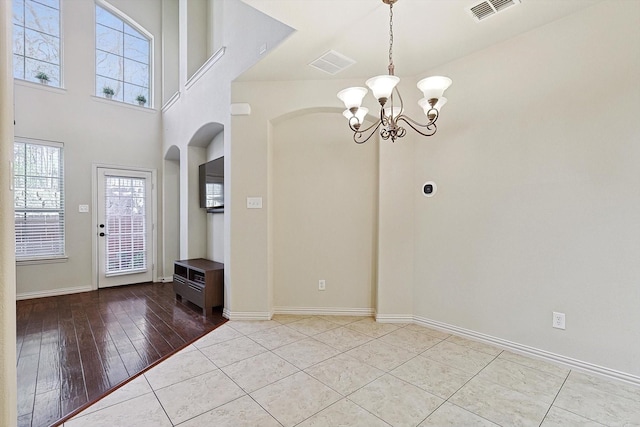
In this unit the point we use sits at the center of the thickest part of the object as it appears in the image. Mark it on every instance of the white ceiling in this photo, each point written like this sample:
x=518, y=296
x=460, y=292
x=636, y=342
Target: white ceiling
x=427, y=33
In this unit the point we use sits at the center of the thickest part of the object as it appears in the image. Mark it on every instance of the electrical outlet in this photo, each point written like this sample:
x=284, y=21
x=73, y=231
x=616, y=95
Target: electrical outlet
x=322, y=285
x=254, y=202
x=558, y=320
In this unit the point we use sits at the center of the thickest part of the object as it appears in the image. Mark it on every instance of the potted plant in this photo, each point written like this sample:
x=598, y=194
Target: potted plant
x=108, y=92
x=141, y=99
x=42, y=76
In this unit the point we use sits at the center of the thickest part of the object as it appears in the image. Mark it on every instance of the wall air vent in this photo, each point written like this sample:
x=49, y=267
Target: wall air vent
x=490, y=7
x=332, y=62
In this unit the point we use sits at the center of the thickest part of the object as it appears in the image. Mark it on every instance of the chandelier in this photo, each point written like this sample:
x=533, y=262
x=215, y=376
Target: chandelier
x=392, y=117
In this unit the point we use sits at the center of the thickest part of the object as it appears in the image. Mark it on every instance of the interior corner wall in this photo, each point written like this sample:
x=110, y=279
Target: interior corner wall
x=538, y=203
x=324, y=215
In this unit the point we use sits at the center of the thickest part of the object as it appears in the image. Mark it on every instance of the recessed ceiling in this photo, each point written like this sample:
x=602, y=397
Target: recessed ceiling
x=427, y=33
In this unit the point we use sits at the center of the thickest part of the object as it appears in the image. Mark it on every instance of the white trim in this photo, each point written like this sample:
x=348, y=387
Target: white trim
x=46, y=142
x=530, y=351
x=52, y=293
x=167, y=279
x=44, y=260
x=218, y=54
x=94, y=217
x=327, y=311
x=123, y=104
x=170, y=101
x=135, y=25
x=40, y=86
x=246, y=315
x=394, y=318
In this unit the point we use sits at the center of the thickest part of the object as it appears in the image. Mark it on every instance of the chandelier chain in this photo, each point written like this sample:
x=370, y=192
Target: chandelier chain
x=391, y=66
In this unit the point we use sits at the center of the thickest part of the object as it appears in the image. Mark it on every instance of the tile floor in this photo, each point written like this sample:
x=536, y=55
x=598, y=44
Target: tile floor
x=351, y=371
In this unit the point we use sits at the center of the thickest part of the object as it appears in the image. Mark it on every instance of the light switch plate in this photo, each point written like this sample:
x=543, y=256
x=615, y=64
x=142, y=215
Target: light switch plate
x=254, y=202
x=83, y=208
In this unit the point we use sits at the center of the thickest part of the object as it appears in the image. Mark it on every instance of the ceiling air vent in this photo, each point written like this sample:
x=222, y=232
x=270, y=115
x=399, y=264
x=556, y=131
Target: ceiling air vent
x=490, y=7
x=332, y=62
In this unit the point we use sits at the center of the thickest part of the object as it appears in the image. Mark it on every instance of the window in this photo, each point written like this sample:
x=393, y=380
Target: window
x=38, y=199
x=36, y=40
x=122, y=59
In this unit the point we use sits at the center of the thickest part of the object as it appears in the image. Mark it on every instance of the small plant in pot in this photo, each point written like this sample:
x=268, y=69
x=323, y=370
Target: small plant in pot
x=42, y=76
x=141, y=99
x=108, y=92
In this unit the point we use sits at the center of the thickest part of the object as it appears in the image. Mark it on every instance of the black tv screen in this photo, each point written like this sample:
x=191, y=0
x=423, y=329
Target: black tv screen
x=212, y=185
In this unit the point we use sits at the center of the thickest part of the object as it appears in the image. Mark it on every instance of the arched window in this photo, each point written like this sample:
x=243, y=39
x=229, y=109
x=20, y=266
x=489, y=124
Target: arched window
x=123, y=55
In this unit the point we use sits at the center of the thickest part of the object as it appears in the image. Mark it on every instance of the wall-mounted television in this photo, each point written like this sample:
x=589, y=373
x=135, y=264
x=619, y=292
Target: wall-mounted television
x=212, y=185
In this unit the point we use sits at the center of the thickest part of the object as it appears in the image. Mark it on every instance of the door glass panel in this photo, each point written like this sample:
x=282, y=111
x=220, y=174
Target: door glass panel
x=125, y=223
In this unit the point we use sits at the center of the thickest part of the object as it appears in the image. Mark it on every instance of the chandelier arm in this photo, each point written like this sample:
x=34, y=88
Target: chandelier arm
x=431, y=127
x=376, y=124
x=429, y=124
x=357, y=135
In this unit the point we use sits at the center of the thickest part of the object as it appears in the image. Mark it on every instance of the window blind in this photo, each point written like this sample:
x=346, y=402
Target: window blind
x=38, y=199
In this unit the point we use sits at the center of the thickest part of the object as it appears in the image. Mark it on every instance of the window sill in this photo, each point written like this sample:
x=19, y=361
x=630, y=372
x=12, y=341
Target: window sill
x=48, y=260
x=40, y=86
x=123, y=104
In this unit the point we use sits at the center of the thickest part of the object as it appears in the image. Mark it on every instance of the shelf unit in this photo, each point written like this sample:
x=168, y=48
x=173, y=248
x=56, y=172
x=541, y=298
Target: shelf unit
x=200, y=281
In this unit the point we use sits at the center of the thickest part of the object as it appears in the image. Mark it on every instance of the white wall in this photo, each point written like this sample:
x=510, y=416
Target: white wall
x=538, y=207
x=93, y=130
x=324, y=205
x=170, y=49
x=171, y=216
x=197, y=34
x=253, y=140
x=215, y=221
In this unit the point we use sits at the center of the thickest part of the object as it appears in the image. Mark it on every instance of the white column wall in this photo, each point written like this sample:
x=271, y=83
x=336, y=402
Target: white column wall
x=8, y=385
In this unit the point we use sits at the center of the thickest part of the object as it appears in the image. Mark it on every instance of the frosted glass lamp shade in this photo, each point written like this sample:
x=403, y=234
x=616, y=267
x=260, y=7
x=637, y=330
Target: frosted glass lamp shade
x=424, y=103
x=382, y=86
x=352, y=96
x=434, y=87
x=360, y=114
x=396, y=111
x=441, y=101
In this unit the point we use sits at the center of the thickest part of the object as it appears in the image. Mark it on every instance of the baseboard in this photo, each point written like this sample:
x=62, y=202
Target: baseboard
x=326, y=311
x=52, y=293
x=394, y=318
x=165, y=279
x=246, y=315
x=569, y=362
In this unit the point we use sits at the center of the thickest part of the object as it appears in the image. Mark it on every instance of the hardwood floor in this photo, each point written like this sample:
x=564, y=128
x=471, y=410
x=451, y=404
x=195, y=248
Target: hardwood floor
x=73, y=349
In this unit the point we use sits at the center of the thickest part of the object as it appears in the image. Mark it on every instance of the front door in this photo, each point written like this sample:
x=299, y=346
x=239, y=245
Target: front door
x=124, y=227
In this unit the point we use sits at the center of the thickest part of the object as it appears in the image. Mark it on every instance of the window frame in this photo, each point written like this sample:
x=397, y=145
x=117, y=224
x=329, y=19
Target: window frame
x=60, y=37
x=137, y=27
x=47, y=257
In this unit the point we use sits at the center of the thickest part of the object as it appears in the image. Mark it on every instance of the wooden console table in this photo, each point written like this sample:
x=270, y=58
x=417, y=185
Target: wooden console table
x=200, y=281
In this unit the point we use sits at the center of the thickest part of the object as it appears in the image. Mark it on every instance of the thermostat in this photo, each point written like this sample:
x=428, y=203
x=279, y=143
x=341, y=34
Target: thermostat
x=429, y=189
